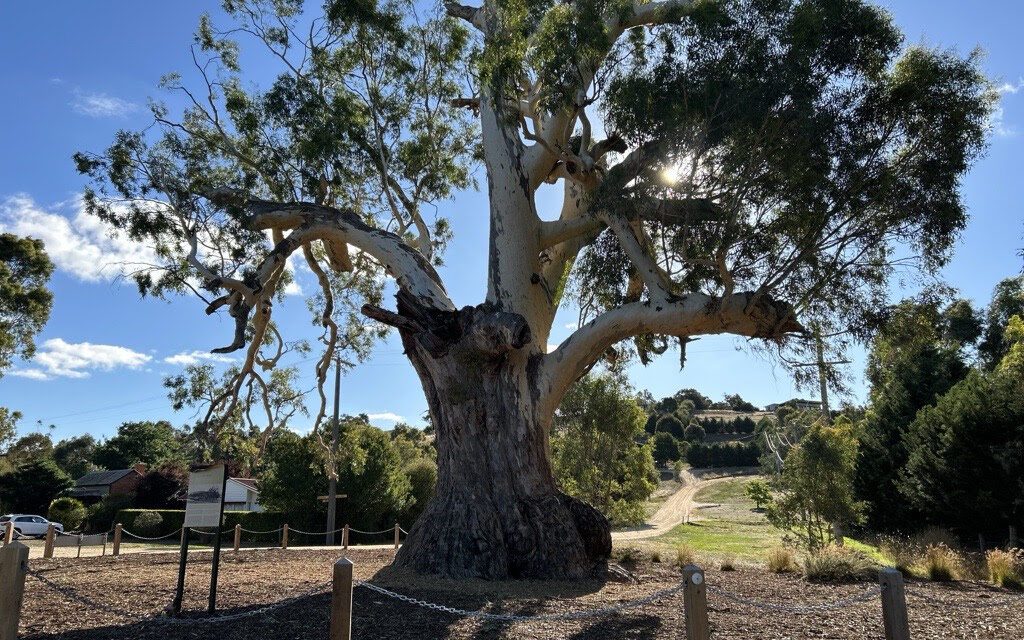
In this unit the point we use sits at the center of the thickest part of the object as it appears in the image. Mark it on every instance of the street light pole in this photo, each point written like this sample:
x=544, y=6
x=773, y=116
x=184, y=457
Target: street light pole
x=332, y=488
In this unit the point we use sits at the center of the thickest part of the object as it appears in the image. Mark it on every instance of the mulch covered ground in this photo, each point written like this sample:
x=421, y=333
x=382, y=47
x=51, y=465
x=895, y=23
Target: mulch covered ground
x=130, y=588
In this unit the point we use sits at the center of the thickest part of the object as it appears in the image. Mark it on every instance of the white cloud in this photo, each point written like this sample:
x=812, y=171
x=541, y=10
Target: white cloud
x=552, y=347
x=1010, y=88
x=387, y=416
x=186, y=358
x=32, y=374
x=998, y=118
x=60, y=359
x=998, y=123
x=100, y=105
x=80, y=244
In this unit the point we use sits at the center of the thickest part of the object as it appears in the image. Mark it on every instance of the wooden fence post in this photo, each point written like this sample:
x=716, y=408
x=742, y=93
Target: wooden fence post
x=238, y=536
x=51, y=533
x=117, y=539
x=344, y=538
x=13, y=568
x=894, y=605
x=341, y=601
x=9, y=534
x=284, y=537
x=695, y=603
x=397, y=530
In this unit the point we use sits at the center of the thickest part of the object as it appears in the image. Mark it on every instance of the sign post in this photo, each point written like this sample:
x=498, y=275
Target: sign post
x=203, y=508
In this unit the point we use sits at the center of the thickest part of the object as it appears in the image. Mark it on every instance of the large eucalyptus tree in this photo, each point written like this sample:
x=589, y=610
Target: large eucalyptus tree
x=724, y=166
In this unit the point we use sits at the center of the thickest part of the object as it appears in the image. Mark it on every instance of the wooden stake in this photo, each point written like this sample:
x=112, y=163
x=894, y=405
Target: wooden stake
x=9, y=534
x=341, y=601
x=13, y=568
x=51, y=533
x=894, y=605
x=695, y=604
x=397, y=530
x=117, y=539
x=238, y=536
x=284, y=537
x=344, y=538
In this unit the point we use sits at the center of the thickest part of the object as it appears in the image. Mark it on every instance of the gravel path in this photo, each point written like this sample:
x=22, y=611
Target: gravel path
x=677, y=508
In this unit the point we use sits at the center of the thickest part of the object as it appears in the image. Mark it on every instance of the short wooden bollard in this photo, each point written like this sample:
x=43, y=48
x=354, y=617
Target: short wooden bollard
x=397, y=530
x=238, y=536
x=13, y=568
x=9, y=534
x=695, y=603
x=344, y=537
x=284, y=537
x=117, y=539
x=51, y=534
x=341, y=601
x=894, y=605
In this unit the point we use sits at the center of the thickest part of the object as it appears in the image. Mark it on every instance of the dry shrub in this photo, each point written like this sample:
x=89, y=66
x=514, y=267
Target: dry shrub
x=933, y=537
x=685, y=555
x=629, y=555
x=782, y=560
x=728, y=562
x=835, y=564
x=905, y=555
x=1006, y=568
x=941, y=563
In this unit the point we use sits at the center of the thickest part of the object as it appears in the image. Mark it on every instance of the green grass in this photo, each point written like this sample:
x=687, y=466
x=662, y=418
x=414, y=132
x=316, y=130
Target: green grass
x=734, y=527
x=746, y=541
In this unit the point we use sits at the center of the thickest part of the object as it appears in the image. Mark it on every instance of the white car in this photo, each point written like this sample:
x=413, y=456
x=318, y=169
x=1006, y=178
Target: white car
x=29, y=526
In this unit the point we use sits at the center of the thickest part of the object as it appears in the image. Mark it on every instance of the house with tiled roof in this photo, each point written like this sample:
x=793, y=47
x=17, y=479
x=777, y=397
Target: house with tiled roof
x=95, y=485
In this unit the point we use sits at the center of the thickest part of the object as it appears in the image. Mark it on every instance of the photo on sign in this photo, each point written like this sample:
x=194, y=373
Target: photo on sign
x=205, y=495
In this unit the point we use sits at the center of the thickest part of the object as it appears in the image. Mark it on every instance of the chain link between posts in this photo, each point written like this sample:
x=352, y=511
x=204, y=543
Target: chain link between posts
x=511, y=617
x=138, y=537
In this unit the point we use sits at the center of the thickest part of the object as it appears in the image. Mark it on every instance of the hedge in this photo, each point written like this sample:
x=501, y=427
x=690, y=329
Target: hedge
x=724, y=455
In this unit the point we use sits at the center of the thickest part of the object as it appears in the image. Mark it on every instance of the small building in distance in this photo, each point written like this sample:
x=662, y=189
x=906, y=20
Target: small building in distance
x=95, y=485
x=242, y=494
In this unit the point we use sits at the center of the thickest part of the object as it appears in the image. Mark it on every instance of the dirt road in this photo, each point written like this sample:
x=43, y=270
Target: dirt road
x=677, y=508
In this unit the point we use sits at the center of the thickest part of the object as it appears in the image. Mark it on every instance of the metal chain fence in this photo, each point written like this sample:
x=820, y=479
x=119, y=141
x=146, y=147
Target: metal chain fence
x=511, y=617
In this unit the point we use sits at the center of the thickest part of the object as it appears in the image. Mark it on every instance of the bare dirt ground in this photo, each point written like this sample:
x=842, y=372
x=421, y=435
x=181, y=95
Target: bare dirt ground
x=679, y=507
x=134, y=587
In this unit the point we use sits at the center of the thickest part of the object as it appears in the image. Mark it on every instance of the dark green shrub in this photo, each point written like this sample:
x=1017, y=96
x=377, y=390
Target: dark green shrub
x=68, y=512
x=148, y=523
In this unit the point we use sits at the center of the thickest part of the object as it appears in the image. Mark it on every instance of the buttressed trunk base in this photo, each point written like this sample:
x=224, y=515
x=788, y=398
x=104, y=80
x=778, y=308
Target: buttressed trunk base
x=497, y=512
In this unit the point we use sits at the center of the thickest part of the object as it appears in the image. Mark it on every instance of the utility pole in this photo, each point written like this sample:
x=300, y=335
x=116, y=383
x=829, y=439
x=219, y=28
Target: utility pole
x=332, y=488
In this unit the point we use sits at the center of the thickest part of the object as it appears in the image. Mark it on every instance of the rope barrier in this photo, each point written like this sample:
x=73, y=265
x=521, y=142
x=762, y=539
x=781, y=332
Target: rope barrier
x=809, y=608
x=261, y=533
x=512, y=617
x=138, y=537
x=371, y=533
x=966, y=605
x=314, y=533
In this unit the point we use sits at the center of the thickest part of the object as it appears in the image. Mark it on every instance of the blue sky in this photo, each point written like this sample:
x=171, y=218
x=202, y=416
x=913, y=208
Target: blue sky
x=77, y=72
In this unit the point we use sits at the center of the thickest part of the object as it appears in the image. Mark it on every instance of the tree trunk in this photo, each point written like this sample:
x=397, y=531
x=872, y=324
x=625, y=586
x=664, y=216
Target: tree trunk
x=497, y=512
